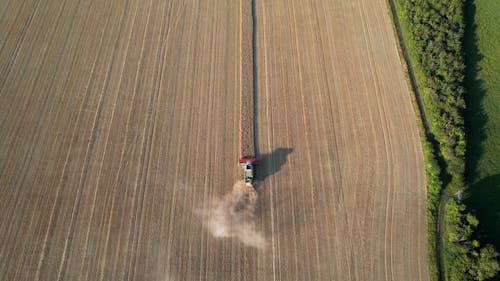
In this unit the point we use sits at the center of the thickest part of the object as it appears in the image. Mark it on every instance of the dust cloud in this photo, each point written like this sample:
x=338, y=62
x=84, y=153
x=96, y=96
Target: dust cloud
x=234, y=216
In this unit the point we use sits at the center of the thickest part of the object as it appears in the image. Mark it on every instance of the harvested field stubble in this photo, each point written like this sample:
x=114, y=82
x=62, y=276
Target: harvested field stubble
x=349, y=204
x=119, y=119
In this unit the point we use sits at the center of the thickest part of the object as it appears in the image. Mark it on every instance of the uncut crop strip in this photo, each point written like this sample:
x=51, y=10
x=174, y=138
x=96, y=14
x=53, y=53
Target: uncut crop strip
x=246, y=80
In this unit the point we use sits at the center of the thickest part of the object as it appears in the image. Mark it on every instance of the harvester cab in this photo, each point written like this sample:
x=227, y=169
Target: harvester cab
x=248, y=164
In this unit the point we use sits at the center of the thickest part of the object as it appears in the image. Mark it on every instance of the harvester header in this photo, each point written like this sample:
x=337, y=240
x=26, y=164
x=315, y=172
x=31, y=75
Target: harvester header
x=248, y=159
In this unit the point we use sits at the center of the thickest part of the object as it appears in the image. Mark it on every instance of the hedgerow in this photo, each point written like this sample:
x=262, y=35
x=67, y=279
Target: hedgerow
x=466, y=258
x=437, y=29
x=434, y=30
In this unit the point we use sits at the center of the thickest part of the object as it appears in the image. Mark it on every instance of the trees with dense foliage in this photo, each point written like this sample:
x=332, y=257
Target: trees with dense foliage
x=436, y=30
x=467, y=259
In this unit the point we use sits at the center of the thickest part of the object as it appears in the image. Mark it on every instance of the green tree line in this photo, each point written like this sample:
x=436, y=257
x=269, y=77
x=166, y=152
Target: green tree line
x=436, y=28
x=466, y=259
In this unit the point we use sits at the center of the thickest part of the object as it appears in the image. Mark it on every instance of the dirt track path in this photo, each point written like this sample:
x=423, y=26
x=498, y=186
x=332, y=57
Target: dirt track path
x=120, y=120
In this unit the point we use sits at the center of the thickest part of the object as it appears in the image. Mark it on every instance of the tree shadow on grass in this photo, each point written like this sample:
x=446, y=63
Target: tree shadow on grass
x=485, y=199
x=482, y=194
x=475, y=116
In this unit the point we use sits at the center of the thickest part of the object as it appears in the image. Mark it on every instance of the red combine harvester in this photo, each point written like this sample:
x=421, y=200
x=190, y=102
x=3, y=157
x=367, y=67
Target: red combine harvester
x=248, y=169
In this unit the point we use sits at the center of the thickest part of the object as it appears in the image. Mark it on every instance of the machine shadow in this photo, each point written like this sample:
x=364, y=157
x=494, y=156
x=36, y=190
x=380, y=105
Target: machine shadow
x=271, y=163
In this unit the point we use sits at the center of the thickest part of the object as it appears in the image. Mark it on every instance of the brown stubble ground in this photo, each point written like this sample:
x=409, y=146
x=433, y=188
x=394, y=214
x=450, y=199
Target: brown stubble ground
x=350, y=202
x=114, y=131
x=120, y=120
